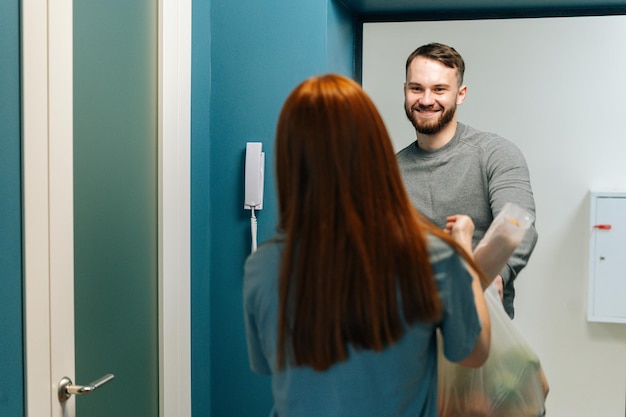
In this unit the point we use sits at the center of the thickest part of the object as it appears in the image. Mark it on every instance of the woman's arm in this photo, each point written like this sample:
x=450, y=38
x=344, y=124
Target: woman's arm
x=461, y=229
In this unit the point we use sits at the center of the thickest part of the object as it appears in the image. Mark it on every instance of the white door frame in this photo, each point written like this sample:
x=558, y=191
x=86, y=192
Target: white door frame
x=47, y=125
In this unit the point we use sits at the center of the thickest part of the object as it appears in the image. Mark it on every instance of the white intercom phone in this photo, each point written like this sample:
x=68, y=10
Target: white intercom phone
x=254, y=175
x=255, y=166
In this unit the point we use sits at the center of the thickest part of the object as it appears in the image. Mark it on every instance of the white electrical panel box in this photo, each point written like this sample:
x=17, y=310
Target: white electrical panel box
x=607, y=257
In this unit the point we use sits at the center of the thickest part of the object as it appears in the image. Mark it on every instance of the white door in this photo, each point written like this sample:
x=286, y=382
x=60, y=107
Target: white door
x=48, y=178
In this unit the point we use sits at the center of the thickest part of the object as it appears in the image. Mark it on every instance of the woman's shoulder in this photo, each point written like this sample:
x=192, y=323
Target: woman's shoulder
x=449, y=267
x=439, y=249
x=269, y=248
x=262, y=266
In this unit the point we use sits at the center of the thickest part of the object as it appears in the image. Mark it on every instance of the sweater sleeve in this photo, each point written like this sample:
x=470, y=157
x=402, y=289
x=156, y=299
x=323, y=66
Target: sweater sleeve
x=509, y=181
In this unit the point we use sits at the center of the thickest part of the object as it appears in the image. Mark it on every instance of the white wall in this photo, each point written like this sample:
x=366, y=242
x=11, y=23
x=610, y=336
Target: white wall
x=557, y=88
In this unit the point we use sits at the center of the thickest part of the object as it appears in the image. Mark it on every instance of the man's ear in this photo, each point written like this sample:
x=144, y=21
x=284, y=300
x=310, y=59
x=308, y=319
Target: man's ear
x=460, y=97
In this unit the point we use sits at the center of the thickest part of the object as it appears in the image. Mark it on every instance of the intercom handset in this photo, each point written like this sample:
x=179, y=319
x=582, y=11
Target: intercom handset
x=254, y=175
x=255, y=167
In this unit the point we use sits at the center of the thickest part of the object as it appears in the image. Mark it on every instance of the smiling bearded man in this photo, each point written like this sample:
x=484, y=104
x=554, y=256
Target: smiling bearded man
x=452, y=168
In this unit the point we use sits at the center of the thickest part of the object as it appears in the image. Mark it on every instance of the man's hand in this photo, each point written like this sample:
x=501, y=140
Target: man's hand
x=498, y=282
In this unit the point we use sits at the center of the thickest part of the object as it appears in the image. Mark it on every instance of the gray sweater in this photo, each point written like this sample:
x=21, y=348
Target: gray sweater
x=475, y=173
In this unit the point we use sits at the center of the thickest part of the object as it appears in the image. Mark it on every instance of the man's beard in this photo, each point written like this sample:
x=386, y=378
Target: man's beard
x=431, y=127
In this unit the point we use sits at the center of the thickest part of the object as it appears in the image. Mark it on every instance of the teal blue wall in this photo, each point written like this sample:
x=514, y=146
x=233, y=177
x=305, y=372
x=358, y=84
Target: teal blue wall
x=200, y=208
x=247, y=56
x=11, y=358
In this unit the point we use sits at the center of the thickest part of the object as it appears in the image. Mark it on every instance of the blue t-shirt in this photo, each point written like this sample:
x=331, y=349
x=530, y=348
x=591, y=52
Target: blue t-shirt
x=398, y=381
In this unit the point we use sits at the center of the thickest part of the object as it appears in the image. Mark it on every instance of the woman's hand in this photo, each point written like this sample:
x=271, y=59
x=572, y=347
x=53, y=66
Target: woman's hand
x=461, y=228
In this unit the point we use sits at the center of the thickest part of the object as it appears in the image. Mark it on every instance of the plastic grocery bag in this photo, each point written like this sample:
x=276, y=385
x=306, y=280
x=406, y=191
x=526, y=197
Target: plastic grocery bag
x=501, y=238
x=511, y=383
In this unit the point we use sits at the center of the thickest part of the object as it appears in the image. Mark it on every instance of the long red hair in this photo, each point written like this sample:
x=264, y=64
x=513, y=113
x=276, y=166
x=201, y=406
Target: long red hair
x=354, y=244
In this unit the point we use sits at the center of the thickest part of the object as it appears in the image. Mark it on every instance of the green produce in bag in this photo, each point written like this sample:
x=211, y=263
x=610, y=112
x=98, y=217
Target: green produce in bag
x=511, y=383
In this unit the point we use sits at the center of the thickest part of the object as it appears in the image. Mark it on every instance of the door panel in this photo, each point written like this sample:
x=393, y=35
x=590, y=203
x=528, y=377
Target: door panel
x=115, y=205
x=132, y=206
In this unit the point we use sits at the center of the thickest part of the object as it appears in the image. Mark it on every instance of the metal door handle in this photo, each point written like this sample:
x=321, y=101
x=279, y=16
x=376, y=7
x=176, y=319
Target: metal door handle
x=67, y=388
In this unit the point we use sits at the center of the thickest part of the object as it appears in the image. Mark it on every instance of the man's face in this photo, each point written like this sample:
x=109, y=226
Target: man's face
x=431, y=95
